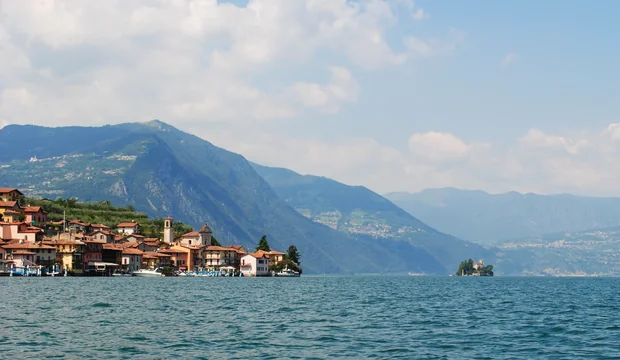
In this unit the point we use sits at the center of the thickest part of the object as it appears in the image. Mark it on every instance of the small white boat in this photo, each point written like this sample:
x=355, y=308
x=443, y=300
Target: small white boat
x=286, y=272
x=147, y=273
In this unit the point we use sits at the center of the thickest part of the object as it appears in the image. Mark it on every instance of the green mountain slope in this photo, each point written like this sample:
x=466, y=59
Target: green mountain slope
x=162, y=171
x=488, y=219
x=358, y=210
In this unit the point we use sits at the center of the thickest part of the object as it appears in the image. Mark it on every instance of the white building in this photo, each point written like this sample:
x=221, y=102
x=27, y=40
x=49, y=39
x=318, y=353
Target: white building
x=132, y=259
x=128, y=228
x=255, y=264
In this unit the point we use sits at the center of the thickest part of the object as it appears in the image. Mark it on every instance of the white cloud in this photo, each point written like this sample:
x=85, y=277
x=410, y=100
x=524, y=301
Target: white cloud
x=419, y=14
x=509, y=58
x=194, y=60
x=582, y=163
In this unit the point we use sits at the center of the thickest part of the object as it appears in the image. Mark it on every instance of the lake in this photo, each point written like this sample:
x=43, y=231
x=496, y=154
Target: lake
x=385, y=317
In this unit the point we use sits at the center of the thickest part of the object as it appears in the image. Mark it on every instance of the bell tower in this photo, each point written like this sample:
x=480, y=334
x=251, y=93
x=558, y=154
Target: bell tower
x=168, y=233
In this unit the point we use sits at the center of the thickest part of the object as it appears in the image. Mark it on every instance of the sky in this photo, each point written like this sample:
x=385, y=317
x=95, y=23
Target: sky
x=394, y=95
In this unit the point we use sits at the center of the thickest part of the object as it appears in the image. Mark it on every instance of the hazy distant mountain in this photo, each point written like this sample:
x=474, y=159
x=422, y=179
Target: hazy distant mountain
x=163, y=171
x=358, y=210
x=486, y=219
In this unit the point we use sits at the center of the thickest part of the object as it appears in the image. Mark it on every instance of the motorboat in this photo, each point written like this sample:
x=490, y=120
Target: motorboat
x=147, y=273
x=286, y=272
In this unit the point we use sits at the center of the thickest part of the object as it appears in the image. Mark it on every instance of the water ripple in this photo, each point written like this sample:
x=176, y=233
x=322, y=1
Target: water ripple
x=310, y=318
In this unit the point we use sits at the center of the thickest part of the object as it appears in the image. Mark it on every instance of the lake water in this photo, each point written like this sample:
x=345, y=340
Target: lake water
x=386, y=317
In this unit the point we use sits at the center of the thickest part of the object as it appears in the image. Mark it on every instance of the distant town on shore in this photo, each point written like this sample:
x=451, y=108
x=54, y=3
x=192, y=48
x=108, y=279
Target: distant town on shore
x=33, y=243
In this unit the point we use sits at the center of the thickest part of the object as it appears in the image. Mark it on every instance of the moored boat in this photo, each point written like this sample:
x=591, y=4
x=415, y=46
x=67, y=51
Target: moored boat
x=147, y=273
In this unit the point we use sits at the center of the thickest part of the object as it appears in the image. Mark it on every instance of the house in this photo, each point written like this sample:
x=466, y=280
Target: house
x=135, y=238
x=111, y=254
x=275, y=257
x=11, y=216
x=152, y=260
x=69, y=253
x=179, y=257
x=10, y=194
x=478, y=265
x=78, y=226
x=103, y=235
x=128, y=228
x=22, y=258
x=21, y=231
x=41, y=254
x=93, y=251
x=201, y=237
x=255, y=264
x=217, y=256
x=149, y=245
x=8, y=206
x=131, y=259
x=34, y=215
x=96, y=227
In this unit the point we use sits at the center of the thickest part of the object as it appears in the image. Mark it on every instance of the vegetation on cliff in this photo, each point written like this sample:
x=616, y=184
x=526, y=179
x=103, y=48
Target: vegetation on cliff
x=103, y=212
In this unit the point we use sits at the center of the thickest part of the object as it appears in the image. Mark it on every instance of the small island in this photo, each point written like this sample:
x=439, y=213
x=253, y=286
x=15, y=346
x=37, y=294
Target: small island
x=474, y=268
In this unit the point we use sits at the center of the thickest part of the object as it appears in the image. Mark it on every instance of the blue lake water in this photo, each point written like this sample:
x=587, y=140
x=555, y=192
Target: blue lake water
x=385, y=317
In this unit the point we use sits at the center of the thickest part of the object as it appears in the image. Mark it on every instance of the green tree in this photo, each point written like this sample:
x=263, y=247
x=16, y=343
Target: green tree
x=293, y=254
x=466, y=268
x=263, y=244
x=214, y=241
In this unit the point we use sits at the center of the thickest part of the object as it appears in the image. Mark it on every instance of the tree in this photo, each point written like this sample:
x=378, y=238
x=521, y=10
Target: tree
x=293, y=254
x=214, y=241
x=263, y=244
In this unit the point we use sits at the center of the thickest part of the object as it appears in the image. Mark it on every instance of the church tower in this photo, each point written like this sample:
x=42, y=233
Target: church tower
x=168, y=233
x=205, y=235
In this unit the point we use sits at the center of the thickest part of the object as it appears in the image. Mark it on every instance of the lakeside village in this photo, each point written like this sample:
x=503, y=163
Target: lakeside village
x=32, y=246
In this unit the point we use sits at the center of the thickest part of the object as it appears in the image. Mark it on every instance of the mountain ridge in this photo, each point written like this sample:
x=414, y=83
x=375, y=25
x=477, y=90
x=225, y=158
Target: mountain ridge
x=163, y=171
x=486, y=218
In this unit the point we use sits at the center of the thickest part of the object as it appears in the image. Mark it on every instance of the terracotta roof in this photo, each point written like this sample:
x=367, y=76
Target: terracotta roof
x=62, y=242
x=99, y=226
x=236, y=247
x=206, y=228
x=26, y=246
x=273, y=252
x=22, y=252
x=12, y=212
x=259, y=254
x=112, y=247
x=92, y=241
x=127, y=224
x=8, y=203
x=8, y=190
x=32, y=209
x=191, y=234
x=137, y=236
x=156, y=254
x=219, y=248
x=104, y=232
x=131, y=251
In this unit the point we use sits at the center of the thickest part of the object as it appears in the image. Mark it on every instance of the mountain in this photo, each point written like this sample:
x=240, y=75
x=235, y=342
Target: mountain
x=162, y=171
x=358, y=210
x=589, y=252
x=489, y=219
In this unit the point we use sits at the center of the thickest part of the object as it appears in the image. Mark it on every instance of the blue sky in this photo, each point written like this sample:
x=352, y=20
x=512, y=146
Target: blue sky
x=394, y=95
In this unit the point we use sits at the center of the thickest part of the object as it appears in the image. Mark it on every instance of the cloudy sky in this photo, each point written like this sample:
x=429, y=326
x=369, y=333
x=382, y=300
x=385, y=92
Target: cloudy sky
x=394, y=95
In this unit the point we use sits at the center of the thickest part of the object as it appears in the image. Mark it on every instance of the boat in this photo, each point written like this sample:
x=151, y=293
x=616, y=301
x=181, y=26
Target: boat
x=286, y=272
x=147, y=273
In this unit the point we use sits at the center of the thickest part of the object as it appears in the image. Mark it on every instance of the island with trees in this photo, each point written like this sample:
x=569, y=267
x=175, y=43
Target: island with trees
x=474, y=268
